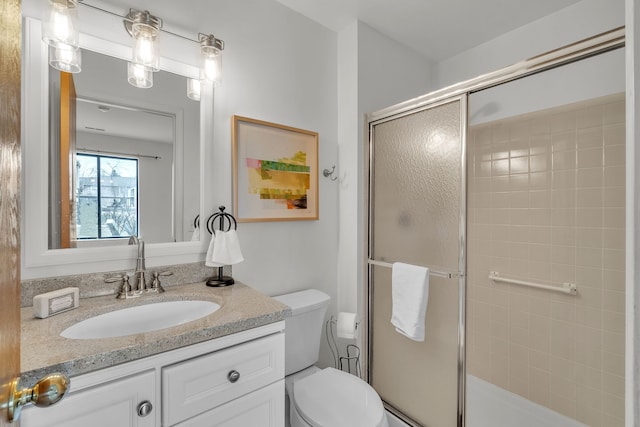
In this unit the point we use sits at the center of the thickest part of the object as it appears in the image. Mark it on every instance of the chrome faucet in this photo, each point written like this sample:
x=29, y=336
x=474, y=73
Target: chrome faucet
x=140, y=282
x=139, y=286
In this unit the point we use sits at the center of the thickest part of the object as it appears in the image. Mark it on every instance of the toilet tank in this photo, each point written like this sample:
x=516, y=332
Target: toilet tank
x=303, y=330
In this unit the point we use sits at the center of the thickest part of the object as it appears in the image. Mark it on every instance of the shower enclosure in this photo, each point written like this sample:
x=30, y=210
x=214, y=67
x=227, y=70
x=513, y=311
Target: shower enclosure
x=510, y=188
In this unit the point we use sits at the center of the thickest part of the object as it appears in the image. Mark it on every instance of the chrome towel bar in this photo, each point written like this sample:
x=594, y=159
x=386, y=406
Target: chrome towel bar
x=432, y=272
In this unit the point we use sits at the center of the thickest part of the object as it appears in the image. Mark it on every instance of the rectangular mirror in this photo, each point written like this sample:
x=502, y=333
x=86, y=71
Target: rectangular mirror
x=114, y=173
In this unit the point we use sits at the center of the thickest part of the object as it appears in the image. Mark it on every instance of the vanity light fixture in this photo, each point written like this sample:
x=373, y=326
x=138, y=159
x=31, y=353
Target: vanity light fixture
x=211, y=59
x=144, y=28
x=60, y=32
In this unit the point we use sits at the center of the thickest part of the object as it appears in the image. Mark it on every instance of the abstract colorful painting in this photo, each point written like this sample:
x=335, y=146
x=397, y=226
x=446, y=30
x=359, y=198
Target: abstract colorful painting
x=275, y=171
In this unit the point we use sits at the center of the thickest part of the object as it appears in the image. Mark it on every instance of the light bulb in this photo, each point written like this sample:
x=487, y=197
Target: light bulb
x=211, y=67
x=61, y=28
x=211, y=59
x=139, y=75
x=193, y=89
x=145, y=49
x=61, y=24
x=65, y=58
x=144, y=28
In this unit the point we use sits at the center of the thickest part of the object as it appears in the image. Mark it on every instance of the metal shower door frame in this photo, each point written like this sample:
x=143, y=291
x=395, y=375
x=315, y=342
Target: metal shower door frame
x=462, y=224
x=592, y=46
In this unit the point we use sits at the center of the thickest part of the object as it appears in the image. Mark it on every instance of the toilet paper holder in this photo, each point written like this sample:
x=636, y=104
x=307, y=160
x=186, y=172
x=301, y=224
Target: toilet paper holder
x=353, y=354
x=353, y=351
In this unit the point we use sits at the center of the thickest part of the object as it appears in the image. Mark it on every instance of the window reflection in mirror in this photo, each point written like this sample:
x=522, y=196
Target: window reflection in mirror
x=96, y=113
x=106, y=197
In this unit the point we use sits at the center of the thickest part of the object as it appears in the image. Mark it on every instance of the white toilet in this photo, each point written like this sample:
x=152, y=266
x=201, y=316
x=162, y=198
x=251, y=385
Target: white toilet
x=321, y=397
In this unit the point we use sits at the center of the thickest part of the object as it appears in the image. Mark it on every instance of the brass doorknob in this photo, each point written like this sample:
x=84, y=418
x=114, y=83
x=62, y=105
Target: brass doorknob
x=47, y=391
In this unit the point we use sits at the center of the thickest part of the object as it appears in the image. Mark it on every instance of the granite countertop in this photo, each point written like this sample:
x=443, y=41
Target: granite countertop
x=44, y=351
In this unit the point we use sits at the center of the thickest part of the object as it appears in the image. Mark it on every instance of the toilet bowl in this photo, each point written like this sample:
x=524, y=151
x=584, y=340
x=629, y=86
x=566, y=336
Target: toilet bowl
x=330, y=397
x=321, y=397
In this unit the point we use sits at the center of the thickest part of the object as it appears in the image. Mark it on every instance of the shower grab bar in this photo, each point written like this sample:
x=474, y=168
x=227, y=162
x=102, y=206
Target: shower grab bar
x=432, y=272
x=567, y=288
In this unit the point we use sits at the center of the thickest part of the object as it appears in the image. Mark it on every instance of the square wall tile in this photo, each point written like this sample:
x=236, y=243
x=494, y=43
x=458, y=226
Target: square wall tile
x=552, y=212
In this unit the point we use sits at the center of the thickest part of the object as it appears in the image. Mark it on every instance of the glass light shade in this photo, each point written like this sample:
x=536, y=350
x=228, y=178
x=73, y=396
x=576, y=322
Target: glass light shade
x=193, y=89
x=65, y=58
x=145, y=47
x=139, y=75
x=211, y=65
x=61, y=28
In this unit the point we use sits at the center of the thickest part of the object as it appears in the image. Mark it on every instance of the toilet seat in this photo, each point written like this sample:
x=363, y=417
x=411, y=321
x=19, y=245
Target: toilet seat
x=333, y=398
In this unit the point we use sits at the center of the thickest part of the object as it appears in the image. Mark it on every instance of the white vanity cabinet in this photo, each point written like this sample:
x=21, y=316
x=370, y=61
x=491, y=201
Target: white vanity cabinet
x=236, y=380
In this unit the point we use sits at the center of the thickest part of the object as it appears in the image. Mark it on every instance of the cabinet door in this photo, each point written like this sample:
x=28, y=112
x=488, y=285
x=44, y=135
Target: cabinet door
x=195, y=386
x=262, y=408
x=108, y=405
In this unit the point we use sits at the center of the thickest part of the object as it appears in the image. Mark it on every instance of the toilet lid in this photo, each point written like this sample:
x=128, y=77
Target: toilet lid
x=332, y=398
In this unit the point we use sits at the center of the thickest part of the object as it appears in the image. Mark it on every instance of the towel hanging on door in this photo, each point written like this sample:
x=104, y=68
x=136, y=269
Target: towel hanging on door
x=410, y=296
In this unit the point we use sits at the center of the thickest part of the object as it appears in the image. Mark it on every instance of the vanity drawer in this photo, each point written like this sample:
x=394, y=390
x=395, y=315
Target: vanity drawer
x=262, y=408
x=194, y=386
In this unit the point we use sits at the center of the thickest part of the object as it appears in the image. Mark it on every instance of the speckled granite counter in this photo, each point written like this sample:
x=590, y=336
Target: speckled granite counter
x=44, y=351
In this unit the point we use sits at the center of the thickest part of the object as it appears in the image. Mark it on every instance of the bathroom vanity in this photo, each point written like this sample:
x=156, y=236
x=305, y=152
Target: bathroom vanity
x=225, y=369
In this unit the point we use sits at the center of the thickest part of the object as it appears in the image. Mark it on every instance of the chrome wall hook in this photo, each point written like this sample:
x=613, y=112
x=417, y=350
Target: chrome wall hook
x=329, y=173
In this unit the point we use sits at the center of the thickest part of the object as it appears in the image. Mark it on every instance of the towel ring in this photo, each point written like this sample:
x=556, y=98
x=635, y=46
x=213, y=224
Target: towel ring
x=225, y=221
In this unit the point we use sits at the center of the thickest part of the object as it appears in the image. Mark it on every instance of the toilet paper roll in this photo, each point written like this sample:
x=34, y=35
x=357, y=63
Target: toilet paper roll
x=346, y=325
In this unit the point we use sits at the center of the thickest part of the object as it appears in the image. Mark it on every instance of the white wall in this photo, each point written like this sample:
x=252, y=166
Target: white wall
x=590, y=78
x=576, y=22
x=278, y=67
x=388, y=72
x=348, y=166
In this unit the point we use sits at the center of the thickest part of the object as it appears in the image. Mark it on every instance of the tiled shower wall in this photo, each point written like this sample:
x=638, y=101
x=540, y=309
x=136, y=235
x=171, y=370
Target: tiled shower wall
x=546, y=204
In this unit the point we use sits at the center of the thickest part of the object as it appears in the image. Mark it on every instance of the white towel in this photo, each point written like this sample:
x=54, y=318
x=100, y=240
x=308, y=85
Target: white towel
x=195, y=237
x=208, y=260
x=226, y=249
x=410, y=295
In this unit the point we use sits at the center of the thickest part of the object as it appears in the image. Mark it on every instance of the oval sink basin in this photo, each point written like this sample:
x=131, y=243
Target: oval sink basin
x=140, y=319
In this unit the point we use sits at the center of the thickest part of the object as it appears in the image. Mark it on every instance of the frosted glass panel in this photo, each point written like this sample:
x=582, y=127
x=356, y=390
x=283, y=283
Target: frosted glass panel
x=415, y=219
x=416, y=184
x=420, y=379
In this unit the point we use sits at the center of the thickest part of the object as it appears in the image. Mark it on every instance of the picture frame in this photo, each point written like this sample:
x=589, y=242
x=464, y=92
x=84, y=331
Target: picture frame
x=275, y=171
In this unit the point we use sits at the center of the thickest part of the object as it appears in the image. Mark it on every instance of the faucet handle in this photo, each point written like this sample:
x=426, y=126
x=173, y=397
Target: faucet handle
x=125, y=289
x=115, y=279
x=156, y=286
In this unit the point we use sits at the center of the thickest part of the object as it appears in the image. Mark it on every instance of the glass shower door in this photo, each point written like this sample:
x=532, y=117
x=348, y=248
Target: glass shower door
x=546, y=208
x=416, y=217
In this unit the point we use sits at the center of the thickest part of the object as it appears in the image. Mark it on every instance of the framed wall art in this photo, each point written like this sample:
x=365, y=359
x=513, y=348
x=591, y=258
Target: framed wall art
x=275, y=171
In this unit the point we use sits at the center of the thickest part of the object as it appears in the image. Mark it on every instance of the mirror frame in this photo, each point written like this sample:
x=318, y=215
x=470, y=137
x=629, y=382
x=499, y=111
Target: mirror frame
x=98, y=31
